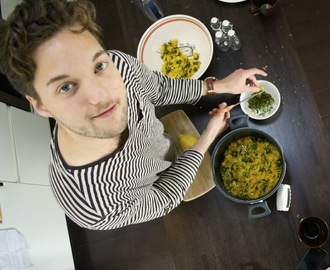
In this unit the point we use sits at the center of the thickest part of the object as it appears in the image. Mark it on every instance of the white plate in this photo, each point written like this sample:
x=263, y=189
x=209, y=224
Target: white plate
x=232, y=1
x=270, y=89
x=185, y=29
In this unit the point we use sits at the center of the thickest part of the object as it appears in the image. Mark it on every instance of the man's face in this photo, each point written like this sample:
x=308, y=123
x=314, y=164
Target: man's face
x=79, y=86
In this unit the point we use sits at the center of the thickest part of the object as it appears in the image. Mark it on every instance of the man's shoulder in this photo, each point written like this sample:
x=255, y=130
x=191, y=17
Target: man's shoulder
x=116, y=55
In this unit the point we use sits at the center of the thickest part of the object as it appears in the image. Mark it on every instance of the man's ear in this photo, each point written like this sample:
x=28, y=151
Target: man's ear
x=39, y=107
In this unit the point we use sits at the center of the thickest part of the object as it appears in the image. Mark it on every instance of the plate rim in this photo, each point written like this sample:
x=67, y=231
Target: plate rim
x=232, y=1
x=152, y=28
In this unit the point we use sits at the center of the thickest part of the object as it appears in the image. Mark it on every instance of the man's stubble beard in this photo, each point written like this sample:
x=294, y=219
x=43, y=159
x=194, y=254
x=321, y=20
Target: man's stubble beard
x=94, y=131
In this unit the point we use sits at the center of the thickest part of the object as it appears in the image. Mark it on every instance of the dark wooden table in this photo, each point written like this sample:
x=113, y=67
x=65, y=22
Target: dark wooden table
x=213, y=232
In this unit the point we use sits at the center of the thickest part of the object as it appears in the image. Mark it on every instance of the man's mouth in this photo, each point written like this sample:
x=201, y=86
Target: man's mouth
x=107, y=112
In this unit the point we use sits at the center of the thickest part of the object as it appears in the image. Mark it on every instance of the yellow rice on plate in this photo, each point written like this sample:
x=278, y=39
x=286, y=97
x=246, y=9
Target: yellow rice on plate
x=251, y=167
x=177, y=64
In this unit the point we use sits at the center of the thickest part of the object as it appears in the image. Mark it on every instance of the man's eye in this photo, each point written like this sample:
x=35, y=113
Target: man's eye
x=100, y=66
x=65, y=88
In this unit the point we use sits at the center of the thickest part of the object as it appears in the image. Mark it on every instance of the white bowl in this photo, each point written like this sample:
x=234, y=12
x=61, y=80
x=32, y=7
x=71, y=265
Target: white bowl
x=270, y=89
x=185, y=29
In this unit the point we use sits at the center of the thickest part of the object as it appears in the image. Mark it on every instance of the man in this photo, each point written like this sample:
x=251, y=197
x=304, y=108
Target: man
x=112, y=164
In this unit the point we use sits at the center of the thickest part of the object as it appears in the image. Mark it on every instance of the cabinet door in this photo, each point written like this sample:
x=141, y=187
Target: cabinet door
x=34, y=212
x=32, y=136
x=7, y=6
x=8, y=168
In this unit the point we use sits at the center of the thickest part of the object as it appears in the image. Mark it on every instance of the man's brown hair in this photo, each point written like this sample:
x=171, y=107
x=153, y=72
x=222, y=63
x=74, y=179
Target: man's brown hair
x=32, y=23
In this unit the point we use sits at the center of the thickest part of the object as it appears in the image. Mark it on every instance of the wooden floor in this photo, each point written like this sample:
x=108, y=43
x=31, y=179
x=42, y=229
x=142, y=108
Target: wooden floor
x=309, y=22
x=146, y=245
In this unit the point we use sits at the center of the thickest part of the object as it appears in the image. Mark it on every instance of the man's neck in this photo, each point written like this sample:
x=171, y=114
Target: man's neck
x=80, y=150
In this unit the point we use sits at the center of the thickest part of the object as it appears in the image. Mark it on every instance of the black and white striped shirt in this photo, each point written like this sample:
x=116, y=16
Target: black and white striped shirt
x=144, y=179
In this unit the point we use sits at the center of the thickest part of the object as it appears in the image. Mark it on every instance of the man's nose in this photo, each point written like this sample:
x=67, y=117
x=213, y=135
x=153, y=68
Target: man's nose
x=96, y=91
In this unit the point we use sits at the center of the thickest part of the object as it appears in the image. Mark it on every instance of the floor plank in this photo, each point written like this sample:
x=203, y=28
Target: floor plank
x=314, y=54
x=310, y=28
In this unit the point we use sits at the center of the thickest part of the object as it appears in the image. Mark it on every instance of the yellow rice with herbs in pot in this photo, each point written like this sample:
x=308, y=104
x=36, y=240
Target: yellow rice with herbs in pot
x=251, y=167
x=177, y=64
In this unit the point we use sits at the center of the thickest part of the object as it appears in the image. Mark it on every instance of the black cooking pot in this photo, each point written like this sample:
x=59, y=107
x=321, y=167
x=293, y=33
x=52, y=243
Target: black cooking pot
x=239, y=129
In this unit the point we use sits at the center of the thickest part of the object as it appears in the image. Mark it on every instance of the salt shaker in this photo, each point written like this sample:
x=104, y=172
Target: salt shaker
x=222, y=41
x=226, y=26
x=235, y=43
x=215, y=24
x=150, y=8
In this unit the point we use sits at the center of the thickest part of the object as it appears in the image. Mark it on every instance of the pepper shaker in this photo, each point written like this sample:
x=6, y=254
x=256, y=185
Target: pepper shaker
x=235, y=43
x=226, y=26
x=222, y=41
x=215, y=24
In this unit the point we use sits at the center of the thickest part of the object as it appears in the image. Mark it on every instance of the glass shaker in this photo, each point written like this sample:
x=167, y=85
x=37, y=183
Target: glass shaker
x=215, y=24
x=226, y=26
x=150, y=8
x=235, y=43
x=222, y=41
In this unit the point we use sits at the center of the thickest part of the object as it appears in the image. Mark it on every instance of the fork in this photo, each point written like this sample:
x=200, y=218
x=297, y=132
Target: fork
x=187, y=49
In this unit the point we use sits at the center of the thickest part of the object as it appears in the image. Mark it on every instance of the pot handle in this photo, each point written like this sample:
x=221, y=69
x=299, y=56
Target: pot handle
x=263, y=205
x=238, y=121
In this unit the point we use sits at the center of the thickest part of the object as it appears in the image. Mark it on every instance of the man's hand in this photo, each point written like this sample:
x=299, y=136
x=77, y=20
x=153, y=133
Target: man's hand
x=241, y=80
x=216, y=125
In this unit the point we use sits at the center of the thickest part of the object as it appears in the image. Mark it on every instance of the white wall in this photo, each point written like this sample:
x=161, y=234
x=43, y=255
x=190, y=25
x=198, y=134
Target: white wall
x=8, y=6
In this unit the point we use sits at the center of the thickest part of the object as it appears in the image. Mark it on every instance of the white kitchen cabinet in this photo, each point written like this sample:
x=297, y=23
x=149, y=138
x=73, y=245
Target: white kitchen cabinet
x=28, y=205
x=34, y=212
x=31, y=135
x=24, y=146
x=8, y=168
x=7, y=6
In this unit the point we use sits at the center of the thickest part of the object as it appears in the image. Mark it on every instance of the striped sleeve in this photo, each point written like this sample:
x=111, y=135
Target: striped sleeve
x=160, y=89
x=163, y=196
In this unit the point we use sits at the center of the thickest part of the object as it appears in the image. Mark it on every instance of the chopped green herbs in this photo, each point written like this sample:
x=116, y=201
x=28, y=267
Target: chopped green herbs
x=262, y=103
